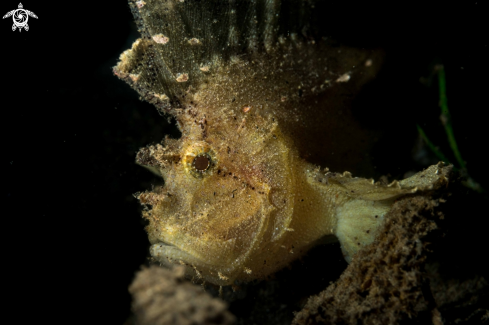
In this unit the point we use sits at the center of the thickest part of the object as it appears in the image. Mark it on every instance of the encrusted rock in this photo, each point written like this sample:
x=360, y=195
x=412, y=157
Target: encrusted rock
x=384, y=283
x=162, y=296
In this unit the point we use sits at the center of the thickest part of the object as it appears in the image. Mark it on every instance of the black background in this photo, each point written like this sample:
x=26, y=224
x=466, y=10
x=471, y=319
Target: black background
x=72, y=236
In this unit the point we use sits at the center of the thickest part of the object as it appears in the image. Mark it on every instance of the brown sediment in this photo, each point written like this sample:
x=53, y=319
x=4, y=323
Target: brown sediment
x=164, y=297
x=384, y=283
x=404, y=276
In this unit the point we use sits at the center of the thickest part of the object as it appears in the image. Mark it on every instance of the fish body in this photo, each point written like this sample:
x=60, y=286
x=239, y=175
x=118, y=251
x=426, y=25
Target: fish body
x=259, y=108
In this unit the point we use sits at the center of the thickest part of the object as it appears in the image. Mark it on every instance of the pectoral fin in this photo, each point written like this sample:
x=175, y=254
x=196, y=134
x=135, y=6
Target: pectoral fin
x=362, y=214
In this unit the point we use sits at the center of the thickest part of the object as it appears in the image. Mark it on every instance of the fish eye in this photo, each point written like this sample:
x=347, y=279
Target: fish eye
x=201, y=163
x=199, y=159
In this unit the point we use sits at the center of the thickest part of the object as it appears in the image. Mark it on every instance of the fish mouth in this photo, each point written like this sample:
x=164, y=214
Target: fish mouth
x=164, y=244
x=168, y=255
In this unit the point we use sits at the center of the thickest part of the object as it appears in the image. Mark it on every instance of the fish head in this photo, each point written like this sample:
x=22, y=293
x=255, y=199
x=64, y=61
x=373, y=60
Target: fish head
x=228, y=192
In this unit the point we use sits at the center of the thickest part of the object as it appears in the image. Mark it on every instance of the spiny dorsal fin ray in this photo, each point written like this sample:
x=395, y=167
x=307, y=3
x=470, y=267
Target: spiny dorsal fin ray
x=205, y=57
x=184, y=43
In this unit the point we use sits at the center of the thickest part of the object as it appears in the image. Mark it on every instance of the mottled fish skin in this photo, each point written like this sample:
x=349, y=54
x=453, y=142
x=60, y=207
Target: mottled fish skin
x=261, y=101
